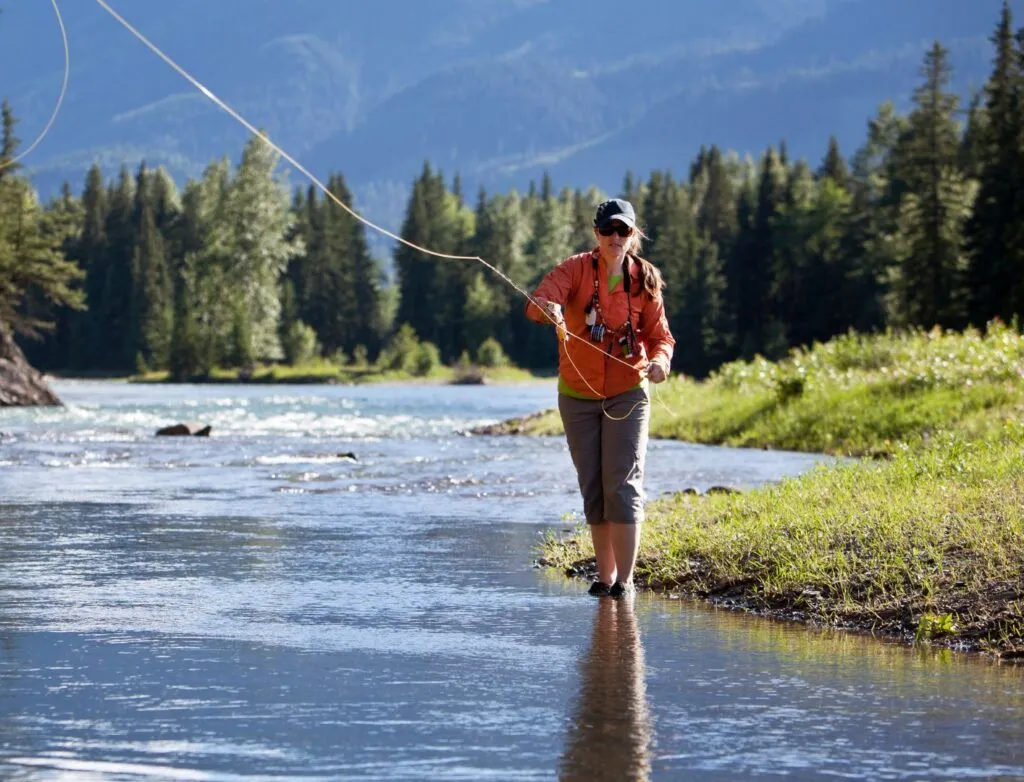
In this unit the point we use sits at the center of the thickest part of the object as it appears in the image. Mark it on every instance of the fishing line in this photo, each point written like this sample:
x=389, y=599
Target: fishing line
x=320, y=185
x=60, y=98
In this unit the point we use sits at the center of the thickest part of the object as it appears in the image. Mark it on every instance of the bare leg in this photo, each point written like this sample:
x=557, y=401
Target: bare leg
x=601, y=535
x=625, y=542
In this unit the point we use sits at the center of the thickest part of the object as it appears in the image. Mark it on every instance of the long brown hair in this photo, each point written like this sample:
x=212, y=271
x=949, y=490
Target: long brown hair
x=650, y=276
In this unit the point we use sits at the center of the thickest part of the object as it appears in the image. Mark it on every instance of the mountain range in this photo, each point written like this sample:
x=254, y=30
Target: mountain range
x=499, y=91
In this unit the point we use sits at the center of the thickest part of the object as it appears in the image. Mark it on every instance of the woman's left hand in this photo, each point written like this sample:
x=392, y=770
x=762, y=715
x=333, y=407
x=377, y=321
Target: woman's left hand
x=656, y=373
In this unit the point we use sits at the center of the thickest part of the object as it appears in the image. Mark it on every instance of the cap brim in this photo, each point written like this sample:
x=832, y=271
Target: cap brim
x=620, y=218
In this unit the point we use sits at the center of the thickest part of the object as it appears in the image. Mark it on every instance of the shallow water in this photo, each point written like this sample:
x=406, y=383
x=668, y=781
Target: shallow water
x=252, y=606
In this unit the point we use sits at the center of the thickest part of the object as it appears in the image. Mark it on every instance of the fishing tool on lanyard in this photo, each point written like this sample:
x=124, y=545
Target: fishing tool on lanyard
x=625, y=335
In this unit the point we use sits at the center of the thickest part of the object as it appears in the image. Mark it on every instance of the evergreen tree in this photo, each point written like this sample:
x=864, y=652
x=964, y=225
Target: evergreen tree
x=796, y=270
x=584, y=206
x=184, y=359
x=152, y=293
x=415, y=270
x=934, y=207
x=631, y=190
x=8, y=142
x=834, y=166
x=90, y=252
x=32, y=264
x=868, y=253
x=753, y=273
x=111, y=310
x=62, y=225
x=430, y=287
x=715, y=195
x=206, y=286
x=366, y=282
x=339, y=325
x=260, y=221
x=738, y=290
x=994, y=232
x=973, y=141
x=184, y=351
x=500, y=238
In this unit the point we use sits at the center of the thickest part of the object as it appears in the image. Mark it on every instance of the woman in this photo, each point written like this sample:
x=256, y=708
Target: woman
x=611, y=299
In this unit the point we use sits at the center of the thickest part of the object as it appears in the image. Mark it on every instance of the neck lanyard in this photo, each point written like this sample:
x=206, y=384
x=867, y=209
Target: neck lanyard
x=595, y=320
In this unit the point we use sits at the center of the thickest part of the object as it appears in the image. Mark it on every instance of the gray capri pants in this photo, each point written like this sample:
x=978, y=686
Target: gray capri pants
x=609, y=455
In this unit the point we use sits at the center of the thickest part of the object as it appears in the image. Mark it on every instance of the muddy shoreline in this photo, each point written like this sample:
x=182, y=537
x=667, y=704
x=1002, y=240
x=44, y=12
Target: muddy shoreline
x=978, y=617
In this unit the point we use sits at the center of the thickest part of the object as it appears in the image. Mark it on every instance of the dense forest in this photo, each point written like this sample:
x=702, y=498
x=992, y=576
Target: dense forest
x=923, y=225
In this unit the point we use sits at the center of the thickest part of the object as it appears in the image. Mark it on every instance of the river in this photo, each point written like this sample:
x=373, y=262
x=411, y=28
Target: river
x=254, y=606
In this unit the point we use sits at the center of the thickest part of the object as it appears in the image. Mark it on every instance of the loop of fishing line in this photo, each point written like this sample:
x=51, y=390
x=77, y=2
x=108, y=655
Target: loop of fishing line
x=320, y=185
x=60, y=98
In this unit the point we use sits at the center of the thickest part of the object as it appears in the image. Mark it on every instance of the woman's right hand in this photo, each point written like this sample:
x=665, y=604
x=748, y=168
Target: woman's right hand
x=554, y=312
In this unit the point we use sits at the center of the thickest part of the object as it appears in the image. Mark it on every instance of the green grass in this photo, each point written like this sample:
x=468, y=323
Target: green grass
x=856, y=395
x=897, y=546
x=926, y=545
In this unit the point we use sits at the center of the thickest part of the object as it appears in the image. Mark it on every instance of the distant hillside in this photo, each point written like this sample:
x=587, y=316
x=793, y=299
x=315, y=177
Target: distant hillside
x=499, y=90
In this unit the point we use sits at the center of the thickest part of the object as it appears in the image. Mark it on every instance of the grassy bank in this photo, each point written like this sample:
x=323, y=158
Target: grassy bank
x=329, y=372
x=927, y=545
x=855, y=395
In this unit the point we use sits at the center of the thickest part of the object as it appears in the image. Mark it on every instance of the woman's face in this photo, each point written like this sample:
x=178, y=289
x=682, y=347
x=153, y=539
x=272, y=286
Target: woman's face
x=615, y=245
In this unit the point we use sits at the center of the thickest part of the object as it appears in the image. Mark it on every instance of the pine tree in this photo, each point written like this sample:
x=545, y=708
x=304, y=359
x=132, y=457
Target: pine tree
x=973, y=141
x=337, y=291
x=500, y=238
x=431, y=287
x=187, y=357
x=631, y=190
x=656, y=210
x=795, y=270
x=112, y=309
x=715, y=195
x=934, y=207
x=183, y=353
x=90, y=254
x=738, y=291
x=206, y=286
x=674, y=252
x=32, y=264
x=152, y=293
x=875, y=190
x=366, y=286
x=994, y=230
x=8, y=142
x=415, y=270
x=551, y=234
x=752, y=268
x=259, y=222
x=62, y=224
x=833, y=166
x=584, y=206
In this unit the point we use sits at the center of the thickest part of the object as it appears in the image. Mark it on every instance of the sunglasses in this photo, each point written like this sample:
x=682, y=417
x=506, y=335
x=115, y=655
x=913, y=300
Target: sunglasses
x=615, y=228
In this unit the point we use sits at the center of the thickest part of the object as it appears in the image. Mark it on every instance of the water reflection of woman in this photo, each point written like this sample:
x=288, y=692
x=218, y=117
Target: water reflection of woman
x=610, y=732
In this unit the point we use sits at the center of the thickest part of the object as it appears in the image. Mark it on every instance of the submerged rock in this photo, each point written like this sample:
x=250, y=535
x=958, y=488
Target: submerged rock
x=186, y=429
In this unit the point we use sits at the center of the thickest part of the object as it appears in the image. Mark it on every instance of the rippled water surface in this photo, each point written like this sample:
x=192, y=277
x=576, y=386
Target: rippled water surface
x=256, y=606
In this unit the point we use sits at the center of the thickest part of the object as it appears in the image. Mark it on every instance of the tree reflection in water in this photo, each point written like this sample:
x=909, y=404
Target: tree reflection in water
x=610, y=732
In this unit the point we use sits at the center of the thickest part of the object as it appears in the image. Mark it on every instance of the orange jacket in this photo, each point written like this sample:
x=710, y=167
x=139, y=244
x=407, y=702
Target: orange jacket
x=592, y=369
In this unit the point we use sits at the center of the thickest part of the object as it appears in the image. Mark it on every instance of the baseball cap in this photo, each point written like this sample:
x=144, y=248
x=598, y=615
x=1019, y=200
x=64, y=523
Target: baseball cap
x=615, y=209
